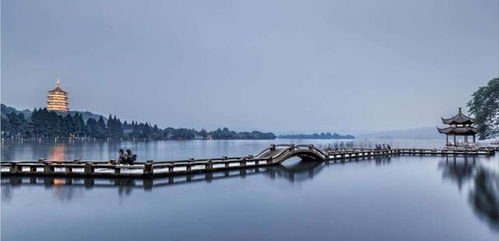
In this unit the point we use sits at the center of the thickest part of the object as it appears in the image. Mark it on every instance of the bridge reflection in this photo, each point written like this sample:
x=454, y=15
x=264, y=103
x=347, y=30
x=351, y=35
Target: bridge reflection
x=301, y=171
x=65, y=188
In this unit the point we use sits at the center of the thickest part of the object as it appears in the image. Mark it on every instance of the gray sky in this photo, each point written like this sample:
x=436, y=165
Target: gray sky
x=268, y=65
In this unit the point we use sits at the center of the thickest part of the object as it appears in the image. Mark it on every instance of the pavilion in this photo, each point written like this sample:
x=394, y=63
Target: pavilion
x=459, y=125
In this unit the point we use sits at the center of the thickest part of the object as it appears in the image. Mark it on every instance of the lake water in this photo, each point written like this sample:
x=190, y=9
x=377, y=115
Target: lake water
x=391, y=198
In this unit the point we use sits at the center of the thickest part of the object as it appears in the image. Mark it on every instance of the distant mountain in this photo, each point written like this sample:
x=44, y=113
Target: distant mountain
x=414, y=133
x=7, y=110
x=323, y=136
x=85, y=115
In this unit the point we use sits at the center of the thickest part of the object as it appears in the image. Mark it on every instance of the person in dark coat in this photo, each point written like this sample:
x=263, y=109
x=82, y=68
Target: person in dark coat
x=122, y=158
x=130, y=157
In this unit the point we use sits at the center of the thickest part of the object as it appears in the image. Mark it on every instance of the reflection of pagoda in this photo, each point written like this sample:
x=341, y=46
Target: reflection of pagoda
x=58, y=99
x=459, y=125
x=57, y=153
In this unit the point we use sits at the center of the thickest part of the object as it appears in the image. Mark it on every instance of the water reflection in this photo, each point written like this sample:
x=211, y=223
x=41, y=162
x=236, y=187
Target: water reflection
x=57, y=153
x=484, y=197
x=469, y=174
x=382, y=161
x=299, y=171
x=65, y=189
x=484, y=191
x=458, y=169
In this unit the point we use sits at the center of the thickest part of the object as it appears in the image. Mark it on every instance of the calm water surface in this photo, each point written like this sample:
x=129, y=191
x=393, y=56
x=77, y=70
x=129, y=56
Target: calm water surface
x=396, y=198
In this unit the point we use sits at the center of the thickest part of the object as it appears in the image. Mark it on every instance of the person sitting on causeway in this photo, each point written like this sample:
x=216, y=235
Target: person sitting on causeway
x=122, y=157
x=130, y=157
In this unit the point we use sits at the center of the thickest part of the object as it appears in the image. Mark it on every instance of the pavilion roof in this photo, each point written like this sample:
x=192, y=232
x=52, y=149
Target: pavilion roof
x=459, y=118
x=458, y=130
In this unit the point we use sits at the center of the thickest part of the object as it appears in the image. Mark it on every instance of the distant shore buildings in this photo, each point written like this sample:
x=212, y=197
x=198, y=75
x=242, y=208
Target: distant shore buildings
x=57, y=100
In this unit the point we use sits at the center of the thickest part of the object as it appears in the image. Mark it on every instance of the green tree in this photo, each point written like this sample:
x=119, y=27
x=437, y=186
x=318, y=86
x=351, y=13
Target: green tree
x=16, y=122
x=101, y=128
x=70, y=126
x=5, y=126
x=91, y=129
x=96, y=129
x=485, y=106
x=203, y=133
x=114, y=127
x=80, y=125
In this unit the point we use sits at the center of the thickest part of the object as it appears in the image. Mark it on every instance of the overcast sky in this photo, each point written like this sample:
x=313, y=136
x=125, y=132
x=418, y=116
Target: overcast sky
x=267, y=65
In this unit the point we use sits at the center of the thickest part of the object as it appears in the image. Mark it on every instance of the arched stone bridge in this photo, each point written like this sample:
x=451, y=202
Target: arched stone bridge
x=279, y=153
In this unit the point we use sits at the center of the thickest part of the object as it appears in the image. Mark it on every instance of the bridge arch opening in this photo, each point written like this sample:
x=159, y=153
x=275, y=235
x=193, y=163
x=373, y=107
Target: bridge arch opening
x=304, y=156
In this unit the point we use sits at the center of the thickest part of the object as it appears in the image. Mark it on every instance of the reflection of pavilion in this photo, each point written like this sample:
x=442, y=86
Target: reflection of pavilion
x=484, y=198
x=484, y=194
x=458, y=169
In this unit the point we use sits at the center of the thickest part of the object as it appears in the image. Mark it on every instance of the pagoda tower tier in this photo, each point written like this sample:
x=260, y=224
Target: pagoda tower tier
x=57, y=100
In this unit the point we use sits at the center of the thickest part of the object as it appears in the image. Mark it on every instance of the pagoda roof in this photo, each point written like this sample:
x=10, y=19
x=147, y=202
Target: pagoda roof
x=459, y=118
x=458, y=130
x=57, y=89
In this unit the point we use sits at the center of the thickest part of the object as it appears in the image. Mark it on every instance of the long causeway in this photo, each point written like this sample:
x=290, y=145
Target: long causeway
x=273, y=155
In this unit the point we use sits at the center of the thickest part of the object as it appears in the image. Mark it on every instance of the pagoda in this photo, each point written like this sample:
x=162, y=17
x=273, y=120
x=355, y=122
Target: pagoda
x=459, y=125
x=57, y=99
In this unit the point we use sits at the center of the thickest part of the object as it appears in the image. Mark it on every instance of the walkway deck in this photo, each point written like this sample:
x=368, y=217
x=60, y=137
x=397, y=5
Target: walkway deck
x=274, y=155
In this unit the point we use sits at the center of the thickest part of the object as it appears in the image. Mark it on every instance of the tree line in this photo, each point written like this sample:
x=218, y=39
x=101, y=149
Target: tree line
x=49, y=124
x=484, y=104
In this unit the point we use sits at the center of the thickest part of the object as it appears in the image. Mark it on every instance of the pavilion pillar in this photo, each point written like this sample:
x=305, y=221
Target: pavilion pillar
x=455, y=143
x=473, y=138
x=447, y=140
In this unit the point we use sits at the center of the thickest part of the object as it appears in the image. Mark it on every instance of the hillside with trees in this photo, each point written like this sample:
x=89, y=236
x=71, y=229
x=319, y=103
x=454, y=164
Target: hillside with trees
x=44, y=124
x=485, y=106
